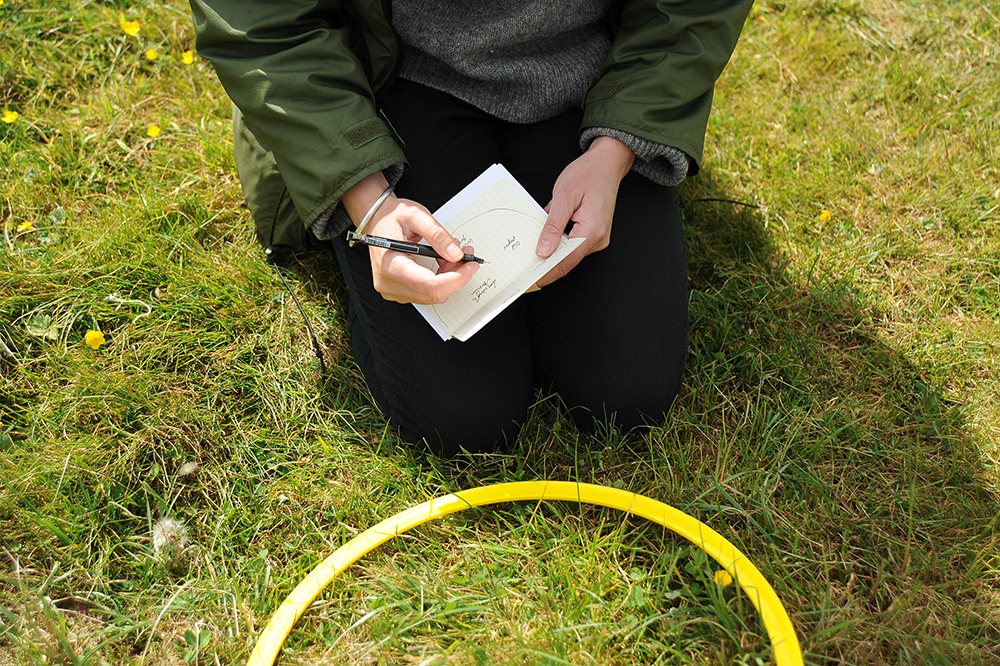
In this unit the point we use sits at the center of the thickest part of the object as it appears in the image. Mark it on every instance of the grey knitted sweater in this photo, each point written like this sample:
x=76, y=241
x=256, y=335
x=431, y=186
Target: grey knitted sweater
x=521, y=61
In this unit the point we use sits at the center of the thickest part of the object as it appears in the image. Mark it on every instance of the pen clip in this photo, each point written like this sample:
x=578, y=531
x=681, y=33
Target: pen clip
x=353, y=237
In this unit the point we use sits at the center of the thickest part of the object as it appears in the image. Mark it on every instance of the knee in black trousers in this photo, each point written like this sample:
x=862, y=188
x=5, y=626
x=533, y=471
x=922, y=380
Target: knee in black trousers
x=610, y=337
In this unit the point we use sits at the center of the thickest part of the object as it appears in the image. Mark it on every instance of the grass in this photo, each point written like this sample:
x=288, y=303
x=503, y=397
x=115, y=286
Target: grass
x=840, y=421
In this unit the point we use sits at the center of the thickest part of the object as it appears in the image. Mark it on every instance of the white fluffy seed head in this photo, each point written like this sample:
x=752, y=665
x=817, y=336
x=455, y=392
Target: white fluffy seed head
x=170, y=537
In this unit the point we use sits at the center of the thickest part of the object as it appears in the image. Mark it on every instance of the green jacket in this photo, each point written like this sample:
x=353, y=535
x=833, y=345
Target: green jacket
x=304, y=76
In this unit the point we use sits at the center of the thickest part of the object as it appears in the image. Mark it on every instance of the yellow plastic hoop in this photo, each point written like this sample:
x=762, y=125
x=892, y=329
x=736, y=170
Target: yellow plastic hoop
x=784, y=643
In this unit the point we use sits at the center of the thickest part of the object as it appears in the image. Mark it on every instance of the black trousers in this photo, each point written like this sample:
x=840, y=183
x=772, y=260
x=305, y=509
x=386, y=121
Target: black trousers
x=610, y=337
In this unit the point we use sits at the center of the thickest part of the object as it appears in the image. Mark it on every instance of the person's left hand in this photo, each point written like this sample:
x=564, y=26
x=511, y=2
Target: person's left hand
x=585, y=192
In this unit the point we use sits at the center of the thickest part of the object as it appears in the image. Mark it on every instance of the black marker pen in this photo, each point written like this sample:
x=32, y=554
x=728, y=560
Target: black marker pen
x=402, y=246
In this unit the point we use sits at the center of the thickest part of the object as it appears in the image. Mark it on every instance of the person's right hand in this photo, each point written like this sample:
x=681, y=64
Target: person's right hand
x=396, y=275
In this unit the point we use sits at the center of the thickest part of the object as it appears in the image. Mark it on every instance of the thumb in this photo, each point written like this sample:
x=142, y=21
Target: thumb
x=559, y=213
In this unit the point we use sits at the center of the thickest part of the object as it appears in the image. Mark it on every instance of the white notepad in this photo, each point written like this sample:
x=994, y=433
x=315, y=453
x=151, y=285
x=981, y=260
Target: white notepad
x=502, y=222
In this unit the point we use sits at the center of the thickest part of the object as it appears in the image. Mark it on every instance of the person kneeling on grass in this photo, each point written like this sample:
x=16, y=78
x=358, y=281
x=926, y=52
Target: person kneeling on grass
x=598, y=107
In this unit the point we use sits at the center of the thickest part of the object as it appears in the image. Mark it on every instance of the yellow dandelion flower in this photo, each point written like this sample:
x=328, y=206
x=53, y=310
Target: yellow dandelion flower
x=94, y=338
x=131, y=28
x=723, y=578
x=9, y=116
x=153, y=131
x=152, y=54
x=25, y=226
x=187, y=57
x=825, y=216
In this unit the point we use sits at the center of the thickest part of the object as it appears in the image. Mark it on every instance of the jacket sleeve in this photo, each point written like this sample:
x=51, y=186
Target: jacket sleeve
x=658, y=80
x=303, y=92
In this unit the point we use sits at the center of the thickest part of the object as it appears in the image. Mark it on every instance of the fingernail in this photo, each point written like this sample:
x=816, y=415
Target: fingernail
x=544, y=248
x=455, y=251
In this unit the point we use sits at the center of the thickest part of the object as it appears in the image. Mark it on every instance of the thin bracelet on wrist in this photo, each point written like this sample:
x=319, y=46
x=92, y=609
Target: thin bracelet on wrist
x=375, y=206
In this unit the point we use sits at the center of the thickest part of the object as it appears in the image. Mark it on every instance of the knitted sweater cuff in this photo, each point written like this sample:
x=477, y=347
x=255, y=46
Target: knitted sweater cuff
x=335, y=219
x=662, y=164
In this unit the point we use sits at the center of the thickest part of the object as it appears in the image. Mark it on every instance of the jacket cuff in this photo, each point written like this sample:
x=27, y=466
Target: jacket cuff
x=335, y=220
x=662, y=164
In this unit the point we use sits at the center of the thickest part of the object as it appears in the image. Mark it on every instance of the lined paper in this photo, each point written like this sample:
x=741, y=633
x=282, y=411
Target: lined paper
x=498, y=217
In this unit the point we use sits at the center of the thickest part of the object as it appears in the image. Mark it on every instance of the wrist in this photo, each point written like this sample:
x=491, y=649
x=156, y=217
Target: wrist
x=615, y=151
x=361, y=197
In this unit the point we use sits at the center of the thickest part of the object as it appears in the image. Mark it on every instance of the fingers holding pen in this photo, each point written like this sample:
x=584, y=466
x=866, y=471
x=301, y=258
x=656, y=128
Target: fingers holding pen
x=397, y=275
x=399, y=278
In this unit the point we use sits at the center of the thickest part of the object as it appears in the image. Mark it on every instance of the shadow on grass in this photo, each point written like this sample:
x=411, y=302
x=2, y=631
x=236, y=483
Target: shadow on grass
x=850, y=479
x=825, y=455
